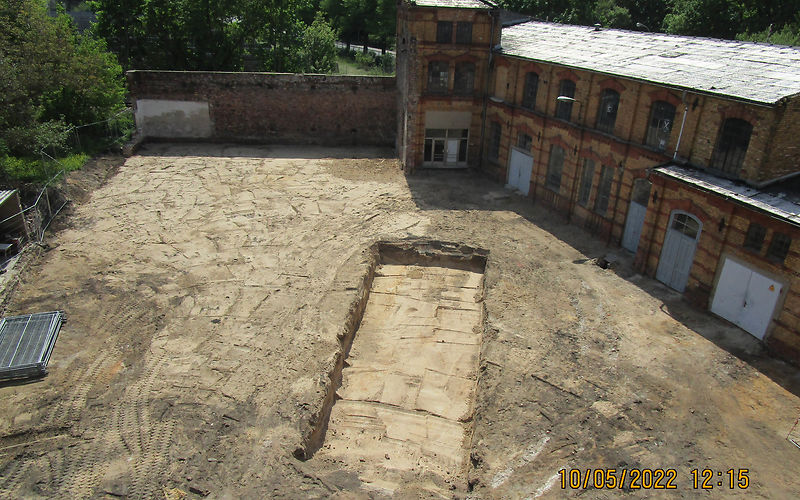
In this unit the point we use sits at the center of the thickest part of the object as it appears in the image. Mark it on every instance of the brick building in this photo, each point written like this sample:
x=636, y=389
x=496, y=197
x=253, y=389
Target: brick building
x=682, y=150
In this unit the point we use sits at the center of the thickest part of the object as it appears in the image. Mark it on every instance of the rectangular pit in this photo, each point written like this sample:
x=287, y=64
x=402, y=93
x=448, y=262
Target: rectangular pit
x=403, y=400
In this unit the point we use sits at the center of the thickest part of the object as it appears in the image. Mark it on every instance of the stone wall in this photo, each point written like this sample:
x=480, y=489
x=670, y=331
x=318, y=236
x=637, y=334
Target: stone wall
x=265, y=107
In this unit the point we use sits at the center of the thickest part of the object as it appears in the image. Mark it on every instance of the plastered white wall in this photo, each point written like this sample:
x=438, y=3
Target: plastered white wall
x=173, y=119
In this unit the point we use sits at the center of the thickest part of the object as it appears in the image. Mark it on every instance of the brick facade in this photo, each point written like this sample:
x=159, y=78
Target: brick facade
x=285, y=108
x=724, y=227
x=622, y=154
x=417, y=47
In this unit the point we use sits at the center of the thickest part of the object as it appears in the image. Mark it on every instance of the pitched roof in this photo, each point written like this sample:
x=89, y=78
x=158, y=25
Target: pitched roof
x=462, y=4
x=781, y=200
x=756, y=72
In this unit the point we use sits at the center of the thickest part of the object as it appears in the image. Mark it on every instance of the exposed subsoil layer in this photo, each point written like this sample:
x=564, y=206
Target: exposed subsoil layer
x=208, y=288
x=405, y=406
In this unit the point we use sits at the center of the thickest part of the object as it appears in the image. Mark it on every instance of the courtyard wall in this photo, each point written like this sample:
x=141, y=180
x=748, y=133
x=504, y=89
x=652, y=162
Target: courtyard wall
x=265, y=107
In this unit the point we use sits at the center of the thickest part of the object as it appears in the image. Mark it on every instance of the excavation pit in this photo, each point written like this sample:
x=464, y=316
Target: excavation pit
x=405, y=401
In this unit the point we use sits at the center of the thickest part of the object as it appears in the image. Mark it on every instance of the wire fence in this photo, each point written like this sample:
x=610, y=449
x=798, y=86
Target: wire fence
x=113, y=131
x=92, y=137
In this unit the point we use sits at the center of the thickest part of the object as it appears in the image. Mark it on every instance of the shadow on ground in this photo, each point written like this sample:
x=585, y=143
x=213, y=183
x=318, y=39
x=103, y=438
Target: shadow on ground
x=467, y=190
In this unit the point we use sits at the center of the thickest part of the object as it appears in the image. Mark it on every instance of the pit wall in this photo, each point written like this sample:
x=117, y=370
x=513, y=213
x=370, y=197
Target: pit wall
x=265, y=107
x=724, y=227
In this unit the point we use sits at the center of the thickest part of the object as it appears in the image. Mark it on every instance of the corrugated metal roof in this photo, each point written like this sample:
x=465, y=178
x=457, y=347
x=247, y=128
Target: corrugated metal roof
x=26, y=343
x=783, y=204
x=5, y=194
x=462, y=4
x=756, y=72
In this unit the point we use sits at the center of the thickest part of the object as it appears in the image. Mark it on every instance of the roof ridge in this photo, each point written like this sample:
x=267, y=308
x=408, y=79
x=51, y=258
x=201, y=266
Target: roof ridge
x=660, y=33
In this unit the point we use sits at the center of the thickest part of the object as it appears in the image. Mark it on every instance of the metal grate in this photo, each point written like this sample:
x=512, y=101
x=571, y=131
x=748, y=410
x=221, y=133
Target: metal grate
x=26, y=343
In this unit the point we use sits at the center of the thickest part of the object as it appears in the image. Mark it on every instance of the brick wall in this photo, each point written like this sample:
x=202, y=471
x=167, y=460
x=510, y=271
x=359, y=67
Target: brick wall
x=784, y=150
x=724, y=226
x=416, y=48
x=270, y=107
x=624, y=149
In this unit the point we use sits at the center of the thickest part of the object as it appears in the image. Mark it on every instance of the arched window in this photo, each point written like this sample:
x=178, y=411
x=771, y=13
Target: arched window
x=529, y=93
x=564, y=108
x=732, y=143
x=464, y=82
x=607, y=113
x=659, y=129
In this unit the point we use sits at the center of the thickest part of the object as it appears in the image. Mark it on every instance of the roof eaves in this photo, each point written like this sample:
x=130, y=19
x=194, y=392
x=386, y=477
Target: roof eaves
x=749, y=202
x=768, y=104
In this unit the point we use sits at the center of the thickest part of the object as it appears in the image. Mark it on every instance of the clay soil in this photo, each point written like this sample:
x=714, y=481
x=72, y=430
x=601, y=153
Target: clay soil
x=207, y=287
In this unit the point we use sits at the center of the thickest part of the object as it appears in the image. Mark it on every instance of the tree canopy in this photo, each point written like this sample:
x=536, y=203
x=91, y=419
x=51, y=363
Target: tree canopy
x=51, y=77
x=775, y=21
x=213, y=35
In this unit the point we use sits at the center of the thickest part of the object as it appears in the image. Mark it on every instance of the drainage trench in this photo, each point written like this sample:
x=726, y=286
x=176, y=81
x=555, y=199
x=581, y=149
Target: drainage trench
x=402, y=396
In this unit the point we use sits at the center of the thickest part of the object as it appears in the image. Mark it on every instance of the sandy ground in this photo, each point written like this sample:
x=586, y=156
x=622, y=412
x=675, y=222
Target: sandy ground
x=205, y=286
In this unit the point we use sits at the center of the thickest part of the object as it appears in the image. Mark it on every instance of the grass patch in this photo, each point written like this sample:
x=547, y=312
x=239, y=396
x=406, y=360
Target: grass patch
x=39, y=170
x=360, y=64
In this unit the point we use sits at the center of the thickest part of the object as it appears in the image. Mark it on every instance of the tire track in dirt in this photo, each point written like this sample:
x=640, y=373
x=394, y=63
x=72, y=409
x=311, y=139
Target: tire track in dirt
x=145, y=436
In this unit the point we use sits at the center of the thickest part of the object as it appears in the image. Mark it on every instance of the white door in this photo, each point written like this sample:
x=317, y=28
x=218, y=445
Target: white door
x=746, y=298
x=520, y=168
x=633, y=227
x=677, y=254
x=452, y=151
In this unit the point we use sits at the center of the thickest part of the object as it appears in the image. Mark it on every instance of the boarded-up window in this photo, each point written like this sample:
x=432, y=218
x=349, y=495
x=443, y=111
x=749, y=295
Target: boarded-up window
x=604, y=190
x=607, y=113
x=659, y=129
x=779, y=247
x=587, y=176
x=732, y=143
x=524, y=141
x=564, y=108
x=555, y=167
x=438, y=76
x=464, y=82
x=494, y=141
x=529, y=93
x=464, y=33
x=444, y=32
x=754, y=239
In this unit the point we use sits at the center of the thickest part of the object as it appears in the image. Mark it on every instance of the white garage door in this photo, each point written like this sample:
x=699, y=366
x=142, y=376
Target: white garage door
x=519, y=171
x=746, y=298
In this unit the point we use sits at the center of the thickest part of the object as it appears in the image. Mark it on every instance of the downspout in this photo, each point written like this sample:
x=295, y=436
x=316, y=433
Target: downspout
x=487, y=77
x=616, y=205
x=683, y=124
x=654, y=227
x=576, y=176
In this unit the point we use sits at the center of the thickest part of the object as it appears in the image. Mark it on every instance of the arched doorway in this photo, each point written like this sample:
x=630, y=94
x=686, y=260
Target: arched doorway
x=677, y=254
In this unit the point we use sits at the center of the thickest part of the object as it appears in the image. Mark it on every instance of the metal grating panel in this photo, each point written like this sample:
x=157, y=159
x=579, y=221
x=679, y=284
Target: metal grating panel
x=26, y=342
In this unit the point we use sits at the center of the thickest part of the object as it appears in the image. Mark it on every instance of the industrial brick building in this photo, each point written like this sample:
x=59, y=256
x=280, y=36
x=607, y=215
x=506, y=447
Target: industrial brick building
x=682, y=150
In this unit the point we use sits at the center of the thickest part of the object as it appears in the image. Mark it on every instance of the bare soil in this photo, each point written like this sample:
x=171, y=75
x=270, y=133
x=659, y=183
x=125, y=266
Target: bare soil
x=209, y=288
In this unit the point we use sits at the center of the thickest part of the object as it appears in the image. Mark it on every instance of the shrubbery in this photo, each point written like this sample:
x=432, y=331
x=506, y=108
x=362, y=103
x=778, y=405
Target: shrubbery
x=51, y=79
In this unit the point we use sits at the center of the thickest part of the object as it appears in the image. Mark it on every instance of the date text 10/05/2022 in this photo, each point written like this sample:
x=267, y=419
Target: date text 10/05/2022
x=652, y=479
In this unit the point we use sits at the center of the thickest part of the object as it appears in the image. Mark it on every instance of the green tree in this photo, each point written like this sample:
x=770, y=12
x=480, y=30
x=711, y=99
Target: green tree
x=50, y=77
x=319, y=47
x=369, y=22
x=609, y=14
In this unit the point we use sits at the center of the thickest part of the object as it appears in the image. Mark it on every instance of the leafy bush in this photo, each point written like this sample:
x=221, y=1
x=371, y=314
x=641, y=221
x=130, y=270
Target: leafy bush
x=53, y=77
x=319, y=47
x=365, y=60
x=386, y=63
